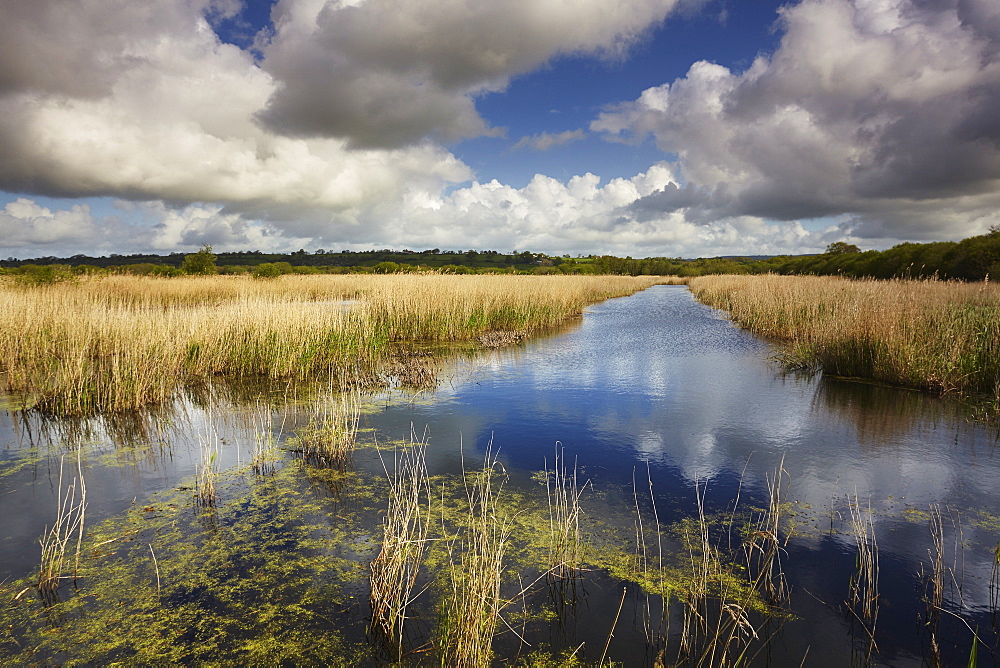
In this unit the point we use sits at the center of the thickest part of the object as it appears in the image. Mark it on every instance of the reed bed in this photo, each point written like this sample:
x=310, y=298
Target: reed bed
x=931, y=335
x=109, y=344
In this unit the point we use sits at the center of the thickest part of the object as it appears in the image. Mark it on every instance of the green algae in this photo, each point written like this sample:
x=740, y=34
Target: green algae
x=264, y=578
x=277, y=572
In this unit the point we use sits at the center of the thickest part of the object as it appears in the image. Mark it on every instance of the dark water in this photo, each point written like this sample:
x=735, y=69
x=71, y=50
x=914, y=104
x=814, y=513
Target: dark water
x=650, y=391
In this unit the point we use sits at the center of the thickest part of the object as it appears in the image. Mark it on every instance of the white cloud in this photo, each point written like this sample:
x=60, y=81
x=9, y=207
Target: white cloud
x=168, y=113
x=881, y=115
x=23, y=223
x=582, y=215
x=888, y=110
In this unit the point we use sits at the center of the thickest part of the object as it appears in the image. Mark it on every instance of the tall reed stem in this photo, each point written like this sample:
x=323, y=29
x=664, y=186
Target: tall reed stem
x=69, y=520
x=404, y=541
x=472, y=607
x=563, y=495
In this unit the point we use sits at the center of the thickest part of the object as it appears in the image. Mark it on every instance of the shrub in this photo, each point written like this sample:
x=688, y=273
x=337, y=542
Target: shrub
x=165, y=270
x=201, y=263
x=47, y=274
x=268, y=270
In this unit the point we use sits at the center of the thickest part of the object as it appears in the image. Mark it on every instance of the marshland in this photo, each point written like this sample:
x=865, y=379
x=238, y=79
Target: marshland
x=499, y=470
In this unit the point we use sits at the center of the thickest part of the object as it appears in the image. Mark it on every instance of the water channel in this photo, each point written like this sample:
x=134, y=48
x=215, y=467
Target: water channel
x=656, y=400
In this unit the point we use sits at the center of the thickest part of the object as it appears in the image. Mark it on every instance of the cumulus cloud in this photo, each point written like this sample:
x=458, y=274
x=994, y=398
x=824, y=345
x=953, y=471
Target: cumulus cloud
x=169, y=115
x=143, y=101
x=584, y=215
x=543, y=141
x=880, y=116
x=579, y=215
x=884, y=111
x=387, y=73
x=29, y=229
x=24, y=223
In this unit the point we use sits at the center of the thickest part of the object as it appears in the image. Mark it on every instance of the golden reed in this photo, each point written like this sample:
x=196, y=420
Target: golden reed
x=940, y=336
x=119, y=342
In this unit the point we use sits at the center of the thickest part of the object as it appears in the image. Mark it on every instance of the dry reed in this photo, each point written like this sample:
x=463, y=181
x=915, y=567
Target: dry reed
x=117, y=343
x=864, y=582
x=472, y=606
x=932, y=335
x=330, y=436
x=404, y=541
x=69, y=521
x=207, y=469
x=995, y=584
x=722, y=599
x=563, y=493
x=934, y=595
x=265, y=453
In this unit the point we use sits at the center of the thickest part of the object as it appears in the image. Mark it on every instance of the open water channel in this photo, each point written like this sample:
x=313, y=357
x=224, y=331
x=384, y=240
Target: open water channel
x=655, y=399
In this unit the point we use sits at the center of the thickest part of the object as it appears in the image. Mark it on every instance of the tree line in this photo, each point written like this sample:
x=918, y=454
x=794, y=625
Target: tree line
x=971, y=259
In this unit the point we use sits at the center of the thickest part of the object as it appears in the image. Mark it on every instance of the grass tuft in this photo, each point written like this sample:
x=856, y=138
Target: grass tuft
x=69, y=521
x=404, y=541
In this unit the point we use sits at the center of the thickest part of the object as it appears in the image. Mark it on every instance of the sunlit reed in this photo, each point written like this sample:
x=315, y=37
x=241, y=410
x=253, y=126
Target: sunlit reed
x=265, y=452
x=472, y=605
x=933, y=335
x=563, y=493
x=330, y=436
x=117, y=343
x=207, y=467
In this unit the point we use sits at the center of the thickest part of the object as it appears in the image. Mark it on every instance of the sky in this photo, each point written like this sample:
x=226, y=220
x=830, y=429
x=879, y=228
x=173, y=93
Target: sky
x=677, y=128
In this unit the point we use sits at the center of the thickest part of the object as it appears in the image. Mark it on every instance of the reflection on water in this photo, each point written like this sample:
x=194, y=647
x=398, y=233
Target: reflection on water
x=654, y=380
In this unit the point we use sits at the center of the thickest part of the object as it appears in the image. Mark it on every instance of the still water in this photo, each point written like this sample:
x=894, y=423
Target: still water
x=657, y=400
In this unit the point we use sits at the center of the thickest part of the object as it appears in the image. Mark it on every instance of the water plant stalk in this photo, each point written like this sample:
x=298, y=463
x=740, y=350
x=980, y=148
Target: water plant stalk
x=404, y=541
x=69, y=520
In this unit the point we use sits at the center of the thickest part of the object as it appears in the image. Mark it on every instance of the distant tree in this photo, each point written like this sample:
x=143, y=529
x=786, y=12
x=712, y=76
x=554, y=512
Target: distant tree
x=841, y=247
x=202, y=262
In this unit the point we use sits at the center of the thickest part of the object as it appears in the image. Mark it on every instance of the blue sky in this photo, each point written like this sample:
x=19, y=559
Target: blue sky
x=642, y=127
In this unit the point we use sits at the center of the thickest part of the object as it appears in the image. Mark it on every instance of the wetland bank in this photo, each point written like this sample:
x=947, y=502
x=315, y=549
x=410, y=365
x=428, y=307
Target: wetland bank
x=641, y=486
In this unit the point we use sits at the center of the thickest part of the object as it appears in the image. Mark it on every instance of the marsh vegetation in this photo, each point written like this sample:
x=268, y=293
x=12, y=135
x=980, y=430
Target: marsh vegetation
x=698, y=509
x=932, y=335
x=117, y=343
